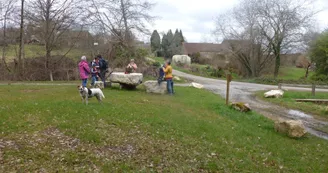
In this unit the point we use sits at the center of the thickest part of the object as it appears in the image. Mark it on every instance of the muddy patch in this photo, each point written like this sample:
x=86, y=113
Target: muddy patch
x=299, y=114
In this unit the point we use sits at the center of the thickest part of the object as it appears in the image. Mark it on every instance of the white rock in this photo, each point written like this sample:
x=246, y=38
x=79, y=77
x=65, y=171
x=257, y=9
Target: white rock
x=99, y=84
x=274, y=94
x=181, y=60
x=153, y=87
x=177, y=78
x=197, y=85
x=293, y=128
x=127, y=79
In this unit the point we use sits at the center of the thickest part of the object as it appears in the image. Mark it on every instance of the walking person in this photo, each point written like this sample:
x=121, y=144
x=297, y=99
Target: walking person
x=168, y=77
x=84, y=70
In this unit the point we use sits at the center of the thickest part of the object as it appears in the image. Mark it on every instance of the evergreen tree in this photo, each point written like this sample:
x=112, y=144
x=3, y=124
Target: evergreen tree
x=169, y=36
x=176, y=44
x=165, y=46
x=155, y=42
x=182, y=37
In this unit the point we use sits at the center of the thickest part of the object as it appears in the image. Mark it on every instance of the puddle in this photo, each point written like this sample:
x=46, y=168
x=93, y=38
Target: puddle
x=299, y=114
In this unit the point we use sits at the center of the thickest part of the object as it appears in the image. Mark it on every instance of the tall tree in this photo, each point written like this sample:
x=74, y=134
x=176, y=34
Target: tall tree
x=52, y=19
x=176, y=44
x=21, y=53
x=170, y=36
x=7, y=9
x=123, y=19
x=281, y=22
x=165, y=46
x=246, y=44
x=155, y=42
x=182, y=37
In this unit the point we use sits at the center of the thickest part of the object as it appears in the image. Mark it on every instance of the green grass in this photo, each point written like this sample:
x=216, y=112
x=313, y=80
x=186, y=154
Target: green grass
x=292, y=73
x=289, y=102
x=48, y=129
x=38, y=50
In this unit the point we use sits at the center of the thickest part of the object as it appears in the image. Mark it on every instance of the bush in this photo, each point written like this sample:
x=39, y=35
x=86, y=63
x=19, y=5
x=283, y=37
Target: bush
x=63, y=68
x=195, y=57
x=319, y=55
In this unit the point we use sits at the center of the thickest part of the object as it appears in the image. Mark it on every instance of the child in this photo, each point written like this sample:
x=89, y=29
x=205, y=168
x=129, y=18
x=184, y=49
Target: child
x=94, y=74
x=161, y=75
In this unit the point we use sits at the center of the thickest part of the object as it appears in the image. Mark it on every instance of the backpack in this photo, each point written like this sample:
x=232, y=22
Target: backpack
x=161, y=75
x=161, y=72
x=103, y=64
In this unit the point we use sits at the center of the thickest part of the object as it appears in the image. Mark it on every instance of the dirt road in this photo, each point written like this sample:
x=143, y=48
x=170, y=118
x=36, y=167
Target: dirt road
x=244, y=92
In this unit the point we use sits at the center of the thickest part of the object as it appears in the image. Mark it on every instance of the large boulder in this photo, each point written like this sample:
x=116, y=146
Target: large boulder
x=240, y=106
x=274, y=94
x=293, y=128
x=132, y=79
x=181, y=60
x=153, y=87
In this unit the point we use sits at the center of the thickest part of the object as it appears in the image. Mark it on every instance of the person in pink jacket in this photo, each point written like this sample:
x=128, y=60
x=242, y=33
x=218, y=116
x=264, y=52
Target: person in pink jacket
x=84, y=70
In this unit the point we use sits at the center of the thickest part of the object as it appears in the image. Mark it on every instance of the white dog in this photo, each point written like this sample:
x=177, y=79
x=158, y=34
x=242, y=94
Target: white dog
x=87, y=93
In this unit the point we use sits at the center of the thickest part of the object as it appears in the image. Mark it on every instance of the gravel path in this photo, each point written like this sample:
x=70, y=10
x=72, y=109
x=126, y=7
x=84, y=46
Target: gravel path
x=244, y=92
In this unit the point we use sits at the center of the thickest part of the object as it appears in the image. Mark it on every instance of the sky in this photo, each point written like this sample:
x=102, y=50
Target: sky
x=196, y=18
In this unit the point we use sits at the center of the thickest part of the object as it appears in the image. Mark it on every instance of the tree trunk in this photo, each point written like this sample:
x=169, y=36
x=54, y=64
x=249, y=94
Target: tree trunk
x=4, y=44
x=307, y=71
x=125, y=20
x=21, y=43
x=277, y=62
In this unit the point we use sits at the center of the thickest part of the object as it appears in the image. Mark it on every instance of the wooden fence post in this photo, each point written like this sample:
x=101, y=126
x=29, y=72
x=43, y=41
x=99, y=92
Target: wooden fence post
x=313, y=89
x=279, y=86
x=229, y=78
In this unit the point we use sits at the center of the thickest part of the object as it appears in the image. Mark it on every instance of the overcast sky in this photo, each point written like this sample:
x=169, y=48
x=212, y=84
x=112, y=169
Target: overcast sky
x=196, y=17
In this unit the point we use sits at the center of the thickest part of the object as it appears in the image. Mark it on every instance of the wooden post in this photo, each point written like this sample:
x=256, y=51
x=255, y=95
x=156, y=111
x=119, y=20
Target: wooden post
x=229, y=78
x=313, y=89
x=279, y=86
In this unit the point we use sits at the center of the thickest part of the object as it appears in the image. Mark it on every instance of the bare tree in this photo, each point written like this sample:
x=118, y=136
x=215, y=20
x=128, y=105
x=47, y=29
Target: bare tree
x=7, y=8
x=51, y=20
x=243, y=39
x=123, y=19
x=281, y=22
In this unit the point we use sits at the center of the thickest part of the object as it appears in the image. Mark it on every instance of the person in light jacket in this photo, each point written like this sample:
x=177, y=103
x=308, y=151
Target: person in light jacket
x=168, y=77
x=84, y=70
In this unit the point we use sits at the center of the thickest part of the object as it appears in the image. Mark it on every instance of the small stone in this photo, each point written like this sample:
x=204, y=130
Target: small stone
x=240, y=106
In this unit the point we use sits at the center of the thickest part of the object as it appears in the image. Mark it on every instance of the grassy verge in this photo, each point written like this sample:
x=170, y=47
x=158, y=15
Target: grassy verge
x=48, y=129
x=289, y=102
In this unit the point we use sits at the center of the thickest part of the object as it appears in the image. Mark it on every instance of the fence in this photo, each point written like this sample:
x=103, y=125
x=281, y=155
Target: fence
x=313, y=86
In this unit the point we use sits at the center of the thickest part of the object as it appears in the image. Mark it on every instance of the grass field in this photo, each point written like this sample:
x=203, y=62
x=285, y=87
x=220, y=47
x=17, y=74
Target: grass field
x=292, y=73
x=37, y=50
x=289, y=102
x=48, y=129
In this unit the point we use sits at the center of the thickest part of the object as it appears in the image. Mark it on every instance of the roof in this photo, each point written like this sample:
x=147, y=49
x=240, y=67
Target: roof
x=190, y=48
